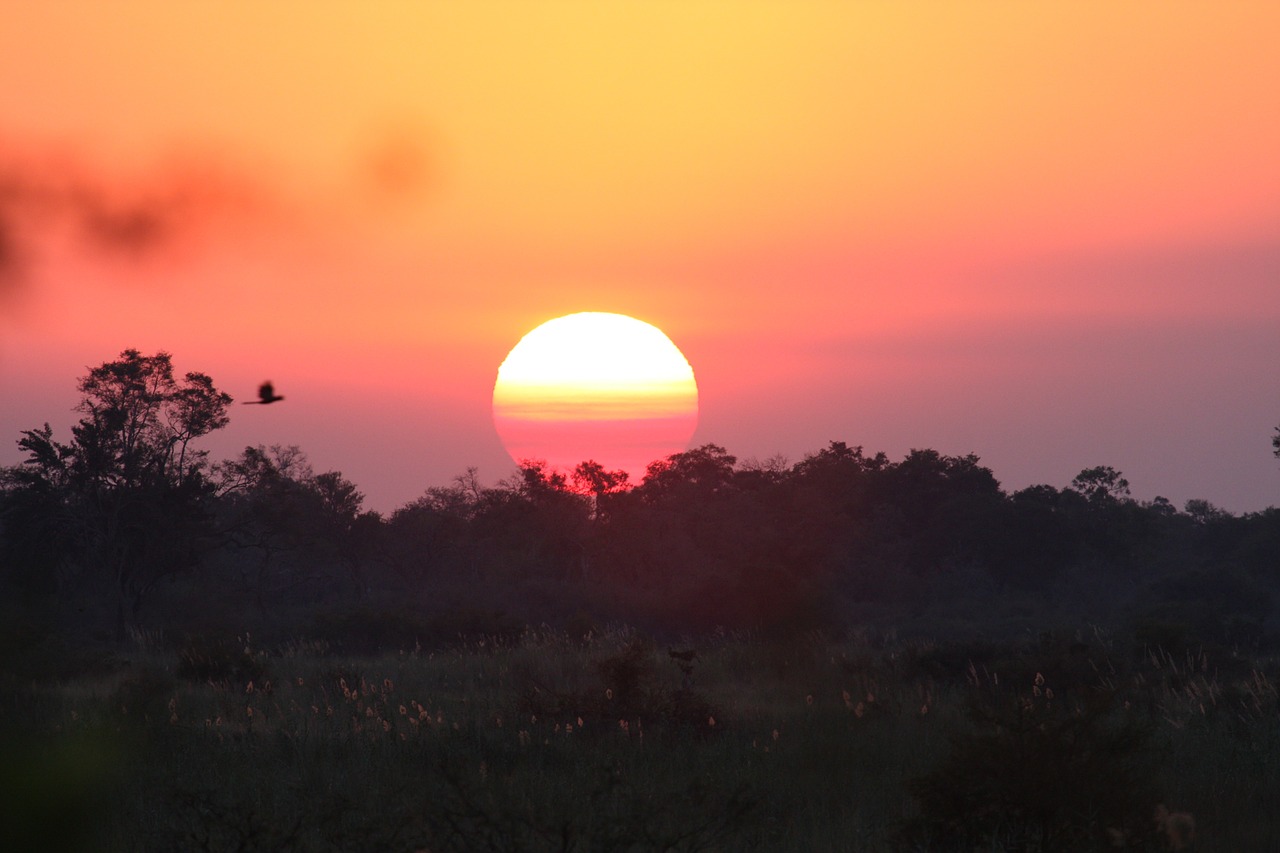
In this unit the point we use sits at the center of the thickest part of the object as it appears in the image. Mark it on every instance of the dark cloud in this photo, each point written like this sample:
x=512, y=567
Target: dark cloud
x=19, y=208
x=130, y=227
x=8, y=251
x=397, y=168
x=48, y=199
x=57, y=198
x=399, y=164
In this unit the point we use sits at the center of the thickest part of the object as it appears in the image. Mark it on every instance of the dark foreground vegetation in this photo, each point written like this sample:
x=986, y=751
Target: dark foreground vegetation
x=845, y=653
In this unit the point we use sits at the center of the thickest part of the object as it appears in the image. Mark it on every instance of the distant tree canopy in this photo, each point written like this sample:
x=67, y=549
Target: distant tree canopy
x=130, y=510
x=287, y=531
x=1101, y=485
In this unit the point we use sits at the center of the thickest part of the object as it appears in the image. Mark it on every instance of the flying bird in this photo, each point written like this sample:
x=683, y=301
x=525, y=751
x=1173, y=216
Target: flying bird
x=266, y=394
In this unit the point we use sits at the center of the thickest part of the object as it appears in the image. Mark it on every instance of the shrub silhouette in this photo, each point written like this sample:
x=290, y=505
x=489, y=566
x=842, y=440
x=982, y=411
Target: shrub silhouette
x=218, y=661
x=628, y=677
x=627, y=690
x=1038, y=776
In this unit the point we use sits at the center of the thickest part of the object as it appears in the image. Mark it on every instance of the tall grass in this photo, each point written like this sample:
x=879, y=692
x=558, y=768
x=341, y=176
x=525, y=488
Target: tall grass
x=607, y=742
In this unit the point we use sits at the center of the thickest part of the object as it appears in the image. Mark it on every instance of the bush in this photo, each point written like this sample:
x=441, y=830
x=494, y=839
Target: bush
x=1037, y=776
x=627, y=678
x=629, y=690
x=218, y=660
x=371, y=630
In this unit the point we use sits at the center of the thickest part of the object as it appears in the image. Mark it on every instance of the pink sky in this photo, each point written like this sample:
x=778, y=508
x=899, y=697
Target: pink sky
x=1047, y=234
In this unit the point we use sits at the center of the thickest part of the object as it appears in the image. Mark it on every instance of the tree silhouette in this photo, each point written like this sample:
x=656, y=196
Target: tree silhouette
x=1101, y=485
x=290, y=531
x=704, y=470
x=594, y=479
x=127, y=496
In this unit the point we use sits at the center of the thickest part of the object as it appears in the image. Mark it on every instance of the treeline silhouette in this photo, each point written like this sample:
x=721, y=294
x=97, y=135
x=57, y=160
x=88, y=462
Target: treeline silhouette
x=128, y=527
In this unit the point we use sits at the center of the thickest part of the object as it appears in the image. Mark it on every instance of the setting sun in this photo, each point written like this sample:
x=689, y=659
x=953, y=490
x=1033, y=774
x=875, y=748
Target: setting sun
x=595, y=386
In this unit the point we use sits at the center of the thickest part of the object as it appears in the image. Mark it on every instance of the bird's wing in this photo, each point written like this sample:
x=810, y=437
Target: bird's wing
x=266, y=392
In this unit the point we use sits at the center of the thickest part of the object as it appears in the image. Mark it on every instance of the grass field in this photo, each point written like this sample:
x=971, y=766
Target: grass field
x=614, y=743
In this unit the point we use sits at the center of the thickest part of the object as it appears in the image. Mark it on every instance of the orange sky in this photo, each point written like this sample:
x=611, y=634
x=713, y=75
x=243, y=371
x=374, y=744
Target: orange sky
x=1045, y=233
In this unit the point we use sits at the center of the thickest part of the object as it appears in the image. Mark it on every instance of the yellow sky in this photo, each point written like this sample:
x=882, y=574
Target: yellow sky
x=590, y=125
x=920, y=205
